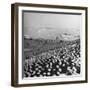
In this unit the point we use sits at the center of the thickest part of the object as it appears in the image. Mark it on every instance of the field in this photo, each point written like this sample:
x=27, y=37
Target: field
x=33, y=47
x=51, y=57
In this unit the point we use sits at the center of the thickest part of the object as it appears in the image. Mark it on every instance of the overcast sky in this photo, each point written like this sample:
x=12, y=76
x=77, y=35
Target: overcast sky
x=46, y=25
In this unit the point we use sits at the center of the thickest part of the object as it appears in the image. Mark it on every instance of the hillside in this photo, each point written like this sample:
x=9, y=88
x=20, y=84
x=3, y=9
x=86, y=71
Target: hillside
x=34, y=47
x=52, y=58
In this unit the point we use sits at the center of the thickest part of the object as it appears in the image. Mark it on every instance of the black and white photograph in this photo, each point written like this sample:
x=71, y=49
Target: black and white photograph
x=49, y=44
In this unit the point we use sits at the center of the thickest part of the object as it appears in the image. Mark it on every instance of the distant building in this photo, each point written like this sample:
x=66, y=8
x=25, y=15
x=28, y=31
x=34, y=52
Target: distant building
x=57, y=39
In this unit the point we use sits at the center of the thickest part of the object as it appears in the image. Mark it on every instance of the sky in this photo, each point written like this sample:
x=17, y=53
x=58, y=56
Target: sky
x=46, y=25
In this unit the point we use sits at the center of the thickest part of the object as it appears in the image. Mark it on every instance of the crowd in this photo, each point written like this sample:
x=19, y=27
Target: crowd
x=65, y=60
